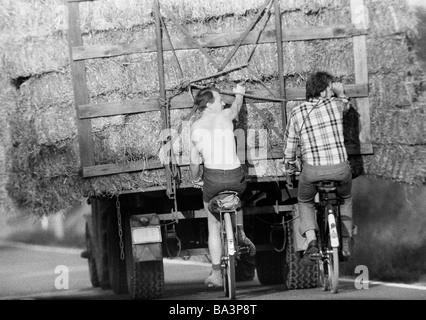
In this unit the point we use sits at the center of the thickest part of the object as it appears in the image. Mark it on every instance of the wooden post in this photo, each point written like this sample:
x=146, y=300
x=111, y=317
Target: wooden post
x=278, y=30
x=79, y=82
x=165, y=111
x=359, y=16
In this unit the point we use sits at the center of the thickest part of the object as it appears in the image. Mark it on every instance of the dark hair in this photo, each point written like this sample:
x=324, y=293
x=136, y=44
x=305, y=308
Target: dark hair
x=204, y=96
x=317, y=83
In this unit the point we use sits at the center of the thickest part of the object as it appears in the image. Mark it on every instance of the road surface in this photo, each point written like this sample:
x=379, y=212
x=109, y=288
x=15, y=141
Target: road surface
x=46, y=273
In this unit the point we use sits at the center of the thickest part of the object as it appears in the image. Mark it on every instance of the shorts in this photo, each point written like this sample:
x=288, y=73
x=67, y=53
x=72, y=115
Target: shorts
x=216, y=180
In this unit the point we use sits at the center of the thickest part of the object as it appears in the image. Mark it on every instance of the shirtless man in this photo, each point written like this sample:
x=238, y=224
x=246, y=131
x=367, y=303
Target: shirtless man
x=213, y=143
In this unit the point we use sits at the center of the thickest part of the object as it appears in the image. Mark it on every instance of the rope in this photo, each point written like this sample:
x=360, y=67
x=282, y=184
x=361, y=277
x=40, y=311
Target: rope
x=268, y=11
x=171, y=45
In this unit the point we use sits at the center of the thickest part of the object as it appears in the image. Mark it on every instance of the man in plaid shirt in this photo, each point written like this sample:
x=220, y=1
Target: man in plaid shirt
x=316, y=126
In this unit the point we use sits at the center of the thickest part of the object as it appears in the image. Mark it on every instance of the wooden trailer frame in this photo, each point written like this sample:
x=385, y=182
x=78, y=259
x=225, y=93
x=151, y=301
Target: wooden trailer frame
x=86, y=111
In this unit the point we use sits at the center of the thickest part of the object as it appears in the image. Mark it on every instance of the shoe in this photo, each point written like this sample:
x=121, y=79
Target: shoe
x=311, y=249
x=347, y=243
x=246, y=242
x=214, y=280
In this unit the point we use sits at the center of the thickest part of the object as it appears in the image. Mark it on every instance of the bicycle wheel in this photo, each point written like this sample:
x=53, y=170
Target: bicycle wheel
x=229, y=281
x=324, y=278
x=324, y=243
x=334, y=271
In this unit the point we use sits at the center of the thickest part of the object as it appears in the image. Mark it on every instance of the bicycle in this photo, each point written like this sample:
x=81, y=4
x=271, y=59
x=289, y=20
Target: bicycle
x=227, y=204
x=327, y=204
x=329, y=235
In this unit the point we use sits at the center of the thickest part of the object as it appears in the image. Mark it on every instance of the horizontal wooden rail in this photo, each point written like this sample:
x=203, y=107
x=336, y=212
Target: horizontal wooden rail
x=152, y=164
x=216, y=41
x=126, y=167
x=184, y=101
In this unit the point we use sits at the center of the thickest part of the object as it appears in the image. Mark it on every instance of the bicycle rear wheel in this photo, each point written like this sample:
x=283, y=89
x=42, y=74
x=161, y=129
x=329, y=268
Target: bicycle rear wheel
x=230, y=281
x=334, y=271
x=324, y=274
x=228, y=259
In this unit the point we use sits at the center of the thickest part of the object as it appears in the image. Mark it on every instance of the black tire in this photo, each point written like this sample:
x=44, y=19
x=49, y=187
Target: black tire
x=270, y=267
x=117, y=266
x=323, y=275
x=91, y=260
x=229, y=278
x=99, y=210
x=299, y=276
x=228, y=249
x=334, y=272
x=145, y=280
x=245, y=268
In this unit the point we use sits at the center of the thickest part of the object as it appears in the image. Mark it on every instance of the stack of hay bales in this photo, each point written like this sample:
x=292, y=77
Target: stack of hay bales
x=7, y=103
x=397, y=95
x=44, y=173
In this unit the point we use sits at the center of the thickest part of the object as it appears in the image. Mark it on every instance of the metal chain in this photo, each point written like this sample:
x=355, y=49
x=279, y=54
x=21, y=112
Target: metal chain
x=120, y=229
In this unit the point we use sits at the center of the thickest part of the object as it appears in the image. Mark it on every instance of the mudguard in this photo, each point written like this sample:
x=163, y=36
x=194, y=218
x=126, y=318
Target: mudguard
x=146, y=237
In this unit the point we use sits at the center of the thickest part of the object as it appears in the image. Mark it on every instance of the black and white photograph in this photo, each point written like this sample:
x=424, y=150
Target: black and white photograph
x=213, y=157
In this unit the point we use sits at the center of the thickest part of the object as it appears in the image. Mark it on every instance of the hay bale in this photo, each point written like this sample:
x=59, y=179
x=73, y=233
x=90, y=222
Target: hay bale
x=46, y=174
x=7, y=105
x=401, y=163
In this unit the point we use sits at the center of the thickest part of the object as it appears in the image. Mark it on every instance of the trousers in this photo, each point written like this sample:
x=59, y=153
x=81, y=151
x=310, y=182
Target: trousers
x=307, y=191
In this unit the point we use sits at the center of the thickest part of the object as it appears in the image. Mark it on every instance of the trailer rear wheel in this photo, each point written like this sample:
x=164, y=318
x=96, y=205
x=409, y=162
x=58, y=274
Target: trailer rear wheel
x=299, y=276
x=91, y=260
x=117, y=266
x=269, y=266
x=145, y=280
x=100, y=251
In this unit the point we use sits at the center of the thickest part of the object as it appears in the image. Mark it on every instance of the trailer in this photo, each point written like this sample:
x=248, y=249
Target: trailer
x=129, y=233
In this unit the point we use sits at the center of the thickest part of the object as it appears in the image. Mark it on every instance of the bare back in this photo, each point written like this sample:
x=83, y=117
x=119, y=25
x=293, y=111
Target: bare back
x=213, y=137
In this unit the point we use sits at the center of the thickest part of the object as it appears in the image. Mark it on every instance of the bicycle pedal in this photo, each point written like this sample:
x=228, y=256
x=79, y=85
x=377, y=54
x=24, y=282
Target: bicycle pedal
x=244, y=249
x=315, y=256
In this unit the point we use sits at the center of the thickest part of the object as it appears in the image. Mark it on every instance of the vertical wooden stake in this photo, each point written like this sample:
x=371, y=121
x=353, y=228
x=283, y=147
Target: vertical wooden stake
x=359, y=16
x=79, y=83
x=278, y=30
x=165, y=111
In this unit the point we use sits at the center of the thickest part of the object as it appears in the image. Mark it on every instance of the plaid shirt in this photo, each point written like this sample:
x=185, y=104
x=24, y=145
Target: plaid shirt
x=317, y=126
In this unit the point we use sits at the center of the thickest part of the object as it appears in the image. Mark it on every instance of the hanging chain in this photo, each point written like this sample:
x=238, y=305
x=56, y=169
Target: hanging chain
x=120, y=229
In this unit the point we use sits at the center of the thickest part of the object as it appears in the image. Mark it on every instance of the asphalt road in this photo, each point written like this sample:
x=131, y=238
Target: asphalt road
x=30, y=272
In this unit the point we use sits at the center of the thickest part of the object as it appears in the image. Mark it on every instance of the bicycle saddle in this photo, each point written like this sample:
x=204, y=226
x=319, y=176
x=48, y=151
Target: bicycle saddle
x=327, y=185
x=225, y=201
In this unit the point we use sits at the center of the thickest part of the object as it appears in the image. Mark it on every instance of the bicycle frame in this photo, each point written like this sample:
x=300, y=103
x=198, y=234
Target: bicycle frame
x=228, y=206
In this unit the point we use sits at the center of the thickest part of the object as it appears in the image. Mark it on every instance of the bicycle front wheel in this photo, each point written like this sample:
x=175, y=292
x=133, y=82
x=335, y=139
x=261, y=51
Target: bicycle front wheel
x=229, y=281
